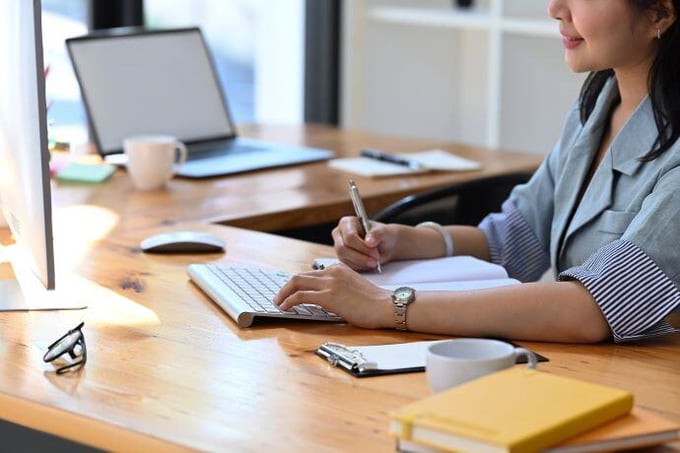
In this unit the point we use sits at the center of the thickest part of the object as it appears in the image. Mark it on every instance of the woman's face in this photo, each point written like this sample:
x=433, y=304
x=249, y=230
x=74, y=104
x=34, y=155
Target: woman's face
x=604, y=34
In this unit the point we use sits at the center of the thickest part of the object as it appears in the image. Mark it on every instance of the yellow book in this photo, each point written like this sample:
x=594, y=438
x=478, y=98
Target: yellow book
x=638, y=429
x=514, y=410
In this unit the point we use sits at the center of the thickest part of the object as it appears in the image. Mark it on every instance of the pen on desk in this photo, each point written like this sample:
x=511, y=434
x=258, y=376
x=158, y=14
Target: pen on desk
x=361, y=212
x=392, y=158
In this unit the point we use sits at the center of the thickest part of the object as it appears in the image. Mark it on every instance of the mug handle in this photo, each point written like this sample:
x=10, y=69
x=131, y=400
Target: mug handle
x=181, y=147
x=531, y=357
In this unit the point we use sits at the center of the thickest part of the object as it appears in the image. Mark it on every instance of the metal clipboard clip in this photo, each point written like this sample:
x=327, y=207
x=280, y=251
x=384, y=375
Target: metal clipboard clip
x=340, y=355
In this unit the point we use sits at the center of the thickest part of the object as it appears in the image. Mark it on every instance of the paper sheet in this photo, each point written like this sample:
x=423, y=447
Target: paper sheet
x=432, y=160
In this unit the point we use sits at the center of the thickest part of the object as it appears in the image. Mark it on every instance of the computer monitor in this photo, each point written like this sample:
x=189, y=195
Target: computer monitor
x=24, y=157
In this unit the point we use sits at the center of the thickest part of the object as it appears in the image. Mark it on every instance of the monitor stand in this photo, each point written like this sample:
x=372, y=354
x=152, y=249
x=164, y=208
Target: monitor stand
x=12, y=298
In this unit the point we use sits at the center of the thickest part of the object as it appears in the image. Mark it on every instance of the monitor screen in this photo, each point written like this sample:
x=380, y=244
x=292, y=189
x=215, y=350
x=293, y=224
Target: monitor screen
x=24, y=156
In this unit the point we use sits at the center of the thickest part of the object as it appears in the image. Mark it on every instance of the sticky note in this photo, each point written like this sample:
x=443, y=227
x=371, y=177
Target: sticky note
x=77, y=172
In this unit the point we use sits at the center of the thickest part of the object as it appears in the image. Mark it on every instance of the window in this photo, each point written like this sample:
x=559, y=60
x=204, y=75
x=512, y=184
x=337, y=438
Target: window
x=257, y=47
x=62, y=19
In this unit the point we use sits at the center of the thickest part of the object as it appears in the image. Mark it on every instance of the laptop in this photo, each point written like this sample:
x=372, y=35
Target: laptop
x=136, y=81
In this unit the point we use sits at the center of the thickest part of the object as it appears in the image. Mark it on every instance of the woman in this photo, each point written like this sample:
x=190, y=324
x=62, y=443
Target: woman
x=603, y=209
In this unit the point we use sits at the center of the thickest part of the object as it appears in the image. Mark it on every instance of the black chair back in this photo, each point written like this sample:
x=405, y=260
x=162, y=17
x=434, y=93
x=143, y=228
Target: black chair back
x=465, y=203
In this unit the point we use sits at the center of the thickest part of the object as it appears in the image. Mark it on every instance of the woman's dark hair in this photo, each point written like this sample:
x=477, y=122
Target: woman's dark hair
x=664, y=83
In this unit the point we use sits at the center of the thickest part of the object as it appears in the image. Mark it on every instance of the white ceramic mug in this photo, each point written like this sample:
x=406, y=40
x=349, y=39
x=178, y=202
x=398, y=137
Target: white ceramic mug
x=452, y=362
x=153, y=159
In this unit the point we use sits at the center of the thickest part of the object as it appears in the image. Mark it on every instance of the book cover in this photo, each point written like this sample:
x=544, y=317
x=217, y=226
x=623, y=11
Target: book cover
x=641, y=428
x=514, y=410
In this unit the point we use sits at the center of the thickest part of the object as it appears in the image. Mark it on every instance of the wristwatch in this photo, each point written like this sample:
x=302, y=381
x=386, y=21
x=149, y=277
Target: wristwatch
x=401, y=297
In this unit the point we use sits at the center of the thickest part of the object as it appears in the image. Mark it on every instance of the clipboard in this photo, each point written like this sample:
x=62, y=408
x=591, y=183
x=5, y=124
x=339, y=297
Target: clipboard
x=378, y=360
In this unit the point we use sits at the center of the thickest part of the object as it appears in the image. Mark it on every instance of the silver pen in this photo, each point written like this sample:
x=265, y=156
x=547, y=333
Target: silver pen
x=361, y=212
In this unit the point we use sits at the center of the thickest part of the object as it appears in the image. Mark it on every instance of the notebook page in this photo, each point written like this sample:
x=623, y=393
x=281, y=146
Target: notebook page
x=437, y=159
x=363, y=166
x=454, y=268
x=457, y=286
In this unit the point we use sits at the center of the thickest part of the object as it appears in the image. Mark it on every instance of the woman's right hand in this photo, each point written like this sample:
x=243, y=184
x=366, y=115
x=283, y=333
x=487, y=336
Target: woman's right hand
x=362, y=253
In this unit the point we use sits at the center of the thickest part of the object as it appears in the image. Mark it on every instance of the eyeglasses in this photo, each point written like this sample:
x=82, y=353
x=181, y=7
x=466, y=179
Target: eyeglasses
x=73, y=343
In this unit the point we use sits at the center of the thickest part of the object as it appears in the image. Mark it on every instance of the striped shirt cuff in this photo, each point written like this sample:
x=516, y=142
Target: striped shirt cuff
x=633, y=293
x=513, y=244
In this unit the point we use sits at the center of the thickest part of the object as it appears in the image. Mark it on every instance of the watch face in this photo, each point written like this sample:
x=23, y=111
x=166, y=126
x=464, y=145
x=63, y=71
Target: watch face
x=404, y=293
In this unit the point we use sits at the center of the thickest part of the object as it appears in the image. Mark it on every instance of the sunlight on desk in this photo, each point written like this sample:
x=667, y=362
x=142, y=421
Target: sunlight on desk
x=76, y=228
x=73, y=292
x=107, y=307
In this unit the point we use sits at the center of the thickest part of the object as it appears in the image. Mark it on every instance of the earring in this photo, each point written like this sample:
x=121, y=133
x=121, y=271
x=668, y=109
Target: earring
x=658, y=33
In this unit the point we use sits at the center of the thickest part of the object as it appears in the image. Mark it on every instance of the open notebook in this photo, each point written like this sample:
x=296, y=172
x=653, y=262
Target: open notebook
x=455, y=273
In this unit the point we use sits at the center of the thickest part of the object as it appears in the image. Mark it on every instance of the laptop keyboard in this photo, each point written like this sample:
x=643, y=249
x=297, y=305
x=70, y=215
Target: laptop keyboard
x=247, y=293
x=226, y=150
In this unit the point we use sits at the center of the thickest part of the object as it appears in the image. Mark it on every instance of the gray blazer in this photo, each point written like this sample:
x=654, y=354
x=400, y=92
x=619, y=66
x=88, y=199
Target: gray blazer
x=626, y=199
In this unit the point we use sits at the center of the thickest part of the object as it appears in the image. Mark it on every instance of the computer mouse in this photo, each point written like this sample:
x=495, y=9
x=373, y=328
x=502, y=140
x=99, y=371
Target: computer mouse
x=183, y=242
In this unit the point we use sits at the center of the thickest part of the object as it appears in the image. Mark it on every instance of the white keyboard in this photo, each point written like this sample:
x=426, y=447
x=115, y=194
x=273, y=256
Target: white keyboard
x=247, y=293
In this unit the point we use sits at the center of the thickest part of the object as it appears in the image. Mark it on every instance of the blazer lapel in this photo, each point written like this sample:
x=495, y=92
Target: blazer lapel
x=574, y=173
x=597, y=197
x=633, y=141
x=577, y=164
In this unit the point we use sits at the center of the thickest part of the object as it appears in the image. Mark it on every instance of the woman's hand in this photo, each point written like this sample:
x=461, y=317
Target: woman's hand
x=362, y=253
x=342, y=291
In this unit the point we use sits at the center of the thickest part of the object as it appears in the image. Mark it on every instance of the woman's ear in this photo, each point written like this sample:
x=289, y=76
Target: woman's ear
x=663, y=15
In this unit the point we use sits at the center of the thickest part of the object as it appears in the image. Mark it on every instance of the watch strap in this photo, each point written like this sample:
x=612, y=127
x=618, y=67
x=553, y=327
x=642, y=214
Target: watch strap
x=401, y=298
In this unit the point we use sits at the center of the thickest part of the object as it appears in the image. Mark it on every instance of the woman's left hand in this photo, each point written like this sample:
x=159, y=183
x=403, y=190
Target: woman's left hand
x=342, y=291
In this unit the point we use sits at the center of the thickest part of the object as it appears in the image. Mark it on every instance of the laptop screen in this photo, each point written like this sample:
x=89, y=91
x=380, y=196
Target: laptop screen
x=147, y=83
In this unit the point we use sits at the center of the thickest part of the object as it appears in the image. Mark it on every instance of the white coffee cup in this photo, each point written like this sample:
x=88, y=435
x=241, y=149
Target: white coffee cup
x=452, y=362
x=153, y=159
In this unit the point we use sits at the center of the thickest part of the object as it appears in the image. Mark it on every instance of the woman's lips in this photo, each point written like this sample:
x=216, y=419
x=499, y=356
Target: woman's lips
x=571, y=42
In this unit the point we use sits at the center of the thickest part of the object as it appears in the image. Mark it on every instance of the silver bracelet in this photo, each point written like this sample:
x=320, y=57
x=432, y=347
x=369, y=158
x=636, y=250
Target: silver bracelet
x=448, y=242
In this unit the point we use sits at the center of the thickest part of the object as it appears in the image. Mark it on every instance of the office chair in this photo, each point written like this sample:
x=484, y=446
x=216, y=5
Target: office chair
x=465, y=203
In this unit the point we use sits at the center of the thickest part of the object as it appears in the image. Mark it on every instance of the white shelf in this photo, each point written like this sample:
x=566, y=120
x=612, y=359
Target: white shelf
x=430, y=17
x=530, y=27
x=503, y=85
x=453, y=18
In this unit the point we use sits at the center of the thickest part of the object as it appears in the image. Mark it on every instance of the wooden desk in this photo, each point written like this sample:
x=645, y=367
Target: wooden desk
x=167, y=370
x=283, y=198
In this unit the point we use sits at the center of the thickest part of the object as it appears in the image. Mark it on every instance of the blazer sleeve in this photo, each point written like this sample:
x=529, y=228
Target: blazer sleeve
x=635, y=279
